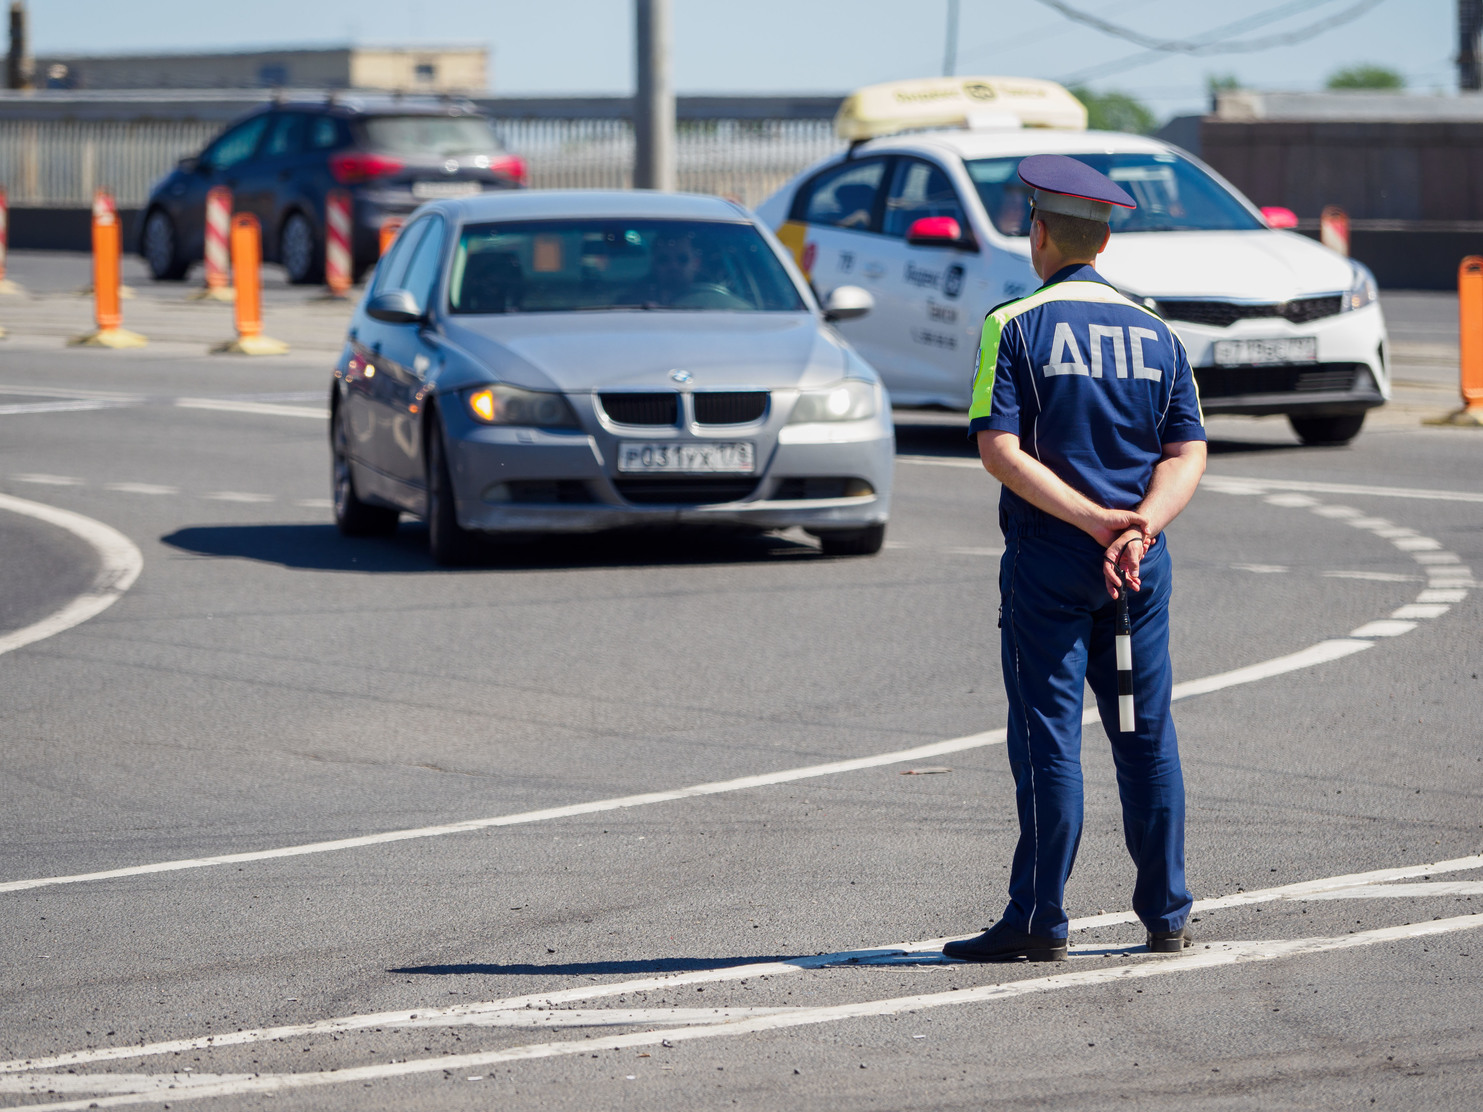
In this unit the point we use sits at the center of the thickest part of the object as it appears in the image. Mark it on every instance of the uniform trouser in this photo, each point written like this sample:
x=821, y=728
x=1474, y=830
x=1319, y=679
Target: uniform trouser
x=1058, y=628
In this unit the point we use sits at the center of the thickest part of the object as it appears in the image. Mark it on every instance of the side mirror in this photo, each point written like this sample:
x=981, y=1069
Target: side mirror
x=847, y=303
x=395, y=307
x=1278, y=217
x=938, y=231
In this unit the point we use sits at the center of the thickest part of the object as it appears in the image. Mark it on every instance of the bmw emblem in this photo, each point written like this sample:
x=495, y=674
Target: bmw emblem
x=680, y=376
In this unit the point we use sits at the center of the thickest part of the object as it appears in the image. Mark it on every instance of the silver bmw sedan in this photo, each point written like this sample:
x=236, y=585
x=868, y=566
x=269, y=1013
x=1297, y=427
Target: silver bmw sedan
x=577, y=361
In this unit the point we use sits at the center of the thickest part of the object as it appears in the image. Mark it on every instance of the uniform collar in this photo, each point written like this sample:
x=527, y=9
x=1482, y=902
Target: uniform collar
x=1076, y=272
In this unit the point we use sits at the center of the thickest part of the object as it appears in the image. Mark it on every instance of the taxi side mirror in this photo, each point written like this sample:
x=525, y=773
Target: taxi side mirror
x=939, y=231
x=847, y=303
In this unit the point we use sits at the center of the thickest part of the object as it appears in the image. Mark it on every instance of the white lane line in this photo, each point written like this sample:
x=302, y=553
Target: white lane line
x=458, y=1014
x=237, y=496
x=49, y=480
x=1245, y=486
x=141, y=488
x=1384, y=627
x=1377, y=576
x=1261, y=569
x=263, y=409
x=1404, y=891
x=1321, y=653
x=1292, y=501
x=1440, y=594
x=1416, y=544
x=1420, y=610
x=315, y=503
x=120, y=562
x=589, y=1017
x=1437, y=558
x=77, y=406
x=1337, y=513
x=39, y=1084
x=1213, y=956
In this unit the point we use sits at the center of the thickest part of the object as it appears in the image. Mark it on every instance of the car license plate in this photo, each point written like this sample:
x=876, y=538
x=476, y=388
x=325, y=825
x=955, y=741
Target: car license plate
x=737, y=457
x=435, y=190
x=1249, y=353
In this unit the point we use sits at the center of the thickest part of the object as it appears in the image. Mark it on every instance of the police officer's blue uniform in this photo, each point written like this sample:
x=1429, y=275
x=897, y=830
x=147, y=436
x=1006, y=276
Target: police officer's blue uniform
x=1094, y=385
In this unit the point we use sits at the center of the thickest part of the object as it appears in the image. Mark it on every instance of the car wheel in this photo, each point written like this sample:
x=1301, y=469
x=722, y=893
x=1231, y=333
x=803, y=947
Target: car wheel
x=159, y=248
x=1327, y=430
x=298, y=250
x=449, y=543
x=853, y=542
x=353, y=517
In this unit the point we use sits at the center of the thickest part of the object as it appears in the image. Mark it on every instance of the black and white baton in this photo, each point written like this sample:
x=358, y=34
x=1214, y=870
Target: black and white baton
x=1124, y=641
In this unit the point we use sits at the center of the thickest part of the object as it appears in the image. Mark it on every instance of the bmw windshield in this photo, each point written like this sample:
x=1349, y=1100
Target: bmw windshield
x=1173, y=194
x=570, y=266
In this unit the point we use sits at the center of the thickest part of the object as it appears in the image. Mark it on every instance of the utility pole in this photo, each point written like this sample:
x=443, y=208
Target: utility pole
x=20, y=70
x=950, y=54
x=654, y=100
x=1469, y=32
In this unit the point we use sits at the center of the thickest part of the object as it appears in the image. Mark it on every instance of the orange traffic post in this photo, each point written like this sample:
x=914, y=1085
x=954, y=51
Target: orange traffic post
x=391, y=227
x=6, y=285
x=108, y=310
x=1333, y=229
x=218, y=285
x=247, y=260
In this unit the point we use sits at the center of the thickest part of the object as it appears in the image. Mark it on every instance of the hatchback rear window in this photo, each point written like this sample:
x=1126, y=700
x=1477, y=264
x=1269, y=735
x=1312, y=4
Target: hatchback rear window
x=432, y=135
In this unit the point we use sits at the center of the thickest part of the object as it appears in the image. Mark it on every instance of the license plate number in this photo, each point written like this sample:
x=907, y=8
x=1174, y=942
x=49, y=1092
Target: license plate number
x=1248, y=353
x=433, y=190
x=729, y=458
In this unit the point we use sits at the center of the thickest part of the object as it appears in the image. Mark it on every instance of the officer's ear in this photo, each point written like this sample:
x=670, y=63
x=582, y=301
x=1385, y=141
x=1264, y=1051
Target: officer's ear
x=1106, y=238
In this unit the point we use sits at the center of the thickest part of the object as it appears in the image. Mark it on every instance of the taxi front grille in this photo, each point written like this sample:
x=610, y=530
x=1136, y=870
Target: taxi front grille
x=685, y=491
x=641, y=409
x=1233, y=382
x=1223, y=314
x=730, y=407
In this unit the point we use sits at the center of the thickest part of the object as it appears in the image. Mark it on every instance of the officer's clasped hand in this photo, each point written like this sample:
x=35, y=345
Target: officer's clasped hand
x=1125, y=552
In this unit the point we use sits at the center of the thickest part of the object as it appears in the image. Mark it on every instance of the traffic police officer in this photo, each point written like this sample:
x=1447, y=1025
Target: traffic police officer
x=1085, y=409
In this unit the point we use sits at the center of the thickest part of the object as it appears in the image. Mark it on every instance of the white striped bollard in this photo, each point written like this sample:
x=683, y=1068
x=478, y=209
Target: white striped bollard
x=1123, y=640
x=218, y=255
x=337, y=258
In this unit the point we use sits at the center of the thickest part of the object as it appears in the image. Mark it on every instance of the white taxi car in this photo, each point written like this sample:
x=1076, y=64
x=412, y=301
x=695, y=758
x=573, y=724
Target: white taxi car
x=934, y=224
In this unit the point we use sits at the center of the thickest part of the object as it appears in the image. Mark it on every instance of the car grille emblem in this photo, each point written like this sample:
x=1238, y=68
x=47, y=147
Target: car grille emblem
x=680, y=376
x=450, y=167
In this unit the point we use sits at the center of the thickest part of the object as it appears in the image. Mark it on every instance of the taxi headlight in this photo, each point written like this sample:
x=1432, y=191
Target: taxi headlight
x=510, y=405
x=850, y=400
x=1362, y=290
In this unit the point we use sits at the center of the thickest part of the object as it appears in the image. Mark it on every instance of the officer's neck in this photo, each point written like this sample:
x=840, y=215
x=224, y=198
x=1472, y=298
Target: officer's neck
x=1049, y=261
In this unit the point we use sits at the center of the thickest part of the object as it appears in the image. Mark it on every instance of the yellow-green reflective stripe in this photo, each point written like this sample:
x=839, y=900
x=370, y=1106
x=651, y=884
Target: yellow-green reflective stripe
x=988, y=358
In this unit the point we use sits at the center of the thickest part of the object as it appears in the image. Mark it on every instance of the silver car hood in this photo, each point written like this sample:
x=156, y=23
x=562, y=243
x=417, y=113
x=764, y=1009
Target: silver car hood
x=581, y=352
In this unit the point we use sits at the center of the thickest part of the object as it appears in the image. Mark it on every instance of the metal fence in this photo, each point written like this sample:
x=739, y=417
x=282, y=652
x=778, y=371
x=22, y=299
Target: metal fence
x=59, y=162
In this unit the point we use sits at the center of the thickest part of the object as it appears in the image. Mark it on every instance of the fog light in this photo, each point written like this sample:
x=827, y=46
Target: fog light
x=858, y=488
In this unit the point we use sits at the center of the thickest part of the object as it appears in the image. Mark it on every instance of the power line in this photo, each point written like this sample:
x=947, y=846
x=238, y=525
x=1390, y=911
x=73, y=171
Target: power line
x=1208, y=44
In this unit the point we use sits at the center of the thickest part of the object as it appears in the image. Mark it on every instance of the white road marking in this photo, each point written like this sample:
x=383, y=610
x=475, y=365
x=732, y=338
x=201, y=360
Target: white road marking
x=237, y=496
x=1420, y=610
x=1416, y=544
x=141, y=488
x=1321, y=653
x=40, y=1084
x=1337, y=512
x=1404, y=891
x=459, y=1014
x=73, y=406
x=315, y=503
x=1369, y=522
x=1377, y=576
x=1244, y=486
x=120, y=562
x=1438, y=594
x=49, y=480
x=1293, y=501
x=972, y=551
x=1212, y=956
x=1385, y=627
x=264, y=409
x=1261, y=569
x=586, y=1017
x=1437, y=558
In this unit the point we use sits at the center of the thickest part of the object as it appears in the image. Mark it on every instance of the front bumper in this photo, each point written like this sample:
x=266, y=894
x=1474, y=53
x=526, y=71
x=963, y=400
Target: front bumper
x=1351, y=375
x=522, y=480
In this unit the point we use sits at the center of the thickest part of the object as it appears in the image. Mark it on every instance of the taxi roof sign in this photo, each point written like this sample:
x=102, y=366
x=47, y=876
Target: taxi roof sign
x=971, y=102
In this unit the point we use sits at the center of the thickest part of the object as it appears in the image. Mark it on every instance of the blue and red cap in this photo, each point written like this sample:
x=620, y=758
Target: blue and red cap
x=1072, y=188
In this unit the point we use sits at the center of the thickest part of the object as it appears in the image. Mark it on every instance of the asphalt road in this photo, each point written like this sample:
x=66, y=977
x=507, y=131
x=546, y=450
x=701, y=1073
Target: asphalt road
x=600, y=853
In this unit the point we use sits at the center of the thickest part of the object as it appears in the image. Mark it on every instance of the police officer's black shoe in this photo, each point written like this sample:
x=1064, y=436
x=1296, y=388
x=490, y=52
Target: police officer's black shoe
x=1170, y=942
x=1001, y=942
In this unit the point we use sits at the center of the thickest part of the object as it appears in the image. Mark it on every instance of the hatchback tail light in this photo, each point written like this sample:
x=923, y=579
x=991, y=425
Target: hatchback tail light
x=511, y=165
x=356, y=166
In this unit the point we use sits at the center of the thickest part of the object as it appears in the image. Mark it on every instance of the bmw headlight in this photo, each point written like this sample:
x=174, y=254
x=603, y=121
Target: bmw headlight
x=1362, y=290
x=849, y=400
x=510, y=405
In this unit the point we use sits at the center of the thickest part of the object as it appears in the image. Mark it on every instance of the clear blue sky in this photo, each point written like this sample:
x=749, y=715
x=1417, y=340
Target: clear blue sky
x=826, y=46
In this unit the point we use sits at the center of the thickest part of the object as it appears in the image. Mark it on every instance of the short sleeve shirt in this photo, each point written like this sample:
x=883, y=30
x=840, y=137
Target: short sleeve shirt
x=1092, y=383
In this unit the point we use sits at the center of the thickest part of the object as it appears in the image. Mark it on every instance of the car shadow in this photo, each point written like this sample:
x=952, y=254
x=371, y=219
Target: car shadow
x=320, y=547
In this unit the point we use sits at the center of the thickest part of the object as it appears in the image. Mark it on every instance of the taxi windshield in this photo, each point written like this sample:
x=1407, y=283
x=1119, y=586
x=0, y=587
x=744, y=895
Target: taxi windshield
x=546, y=266
x=1173, y=194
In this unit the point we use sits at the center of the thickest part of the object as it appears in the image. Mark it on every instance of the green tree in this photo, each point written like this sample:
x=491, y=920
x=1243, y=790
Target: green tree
x=1115, y=112
x=1366, y=76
